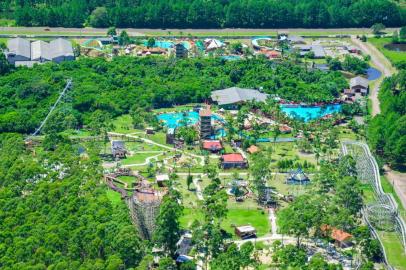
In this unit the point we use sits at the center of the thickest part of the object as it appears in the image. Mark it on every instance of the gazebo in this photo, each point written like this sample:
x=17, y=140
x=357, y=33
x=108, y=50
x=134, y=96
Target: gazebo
x=297, y=177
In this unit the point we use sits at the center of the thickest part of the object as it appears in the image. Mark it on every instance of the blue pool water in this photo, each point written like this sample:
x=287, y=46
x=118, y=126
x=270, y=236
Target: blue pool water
x=373, y=74
x=174, y=120
x=167, y=44
x=231, y=57
x=310, y=113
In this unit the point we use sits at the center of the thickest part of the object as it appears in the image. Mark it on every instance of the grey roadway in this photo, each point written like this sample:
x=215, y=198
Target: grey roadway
x=145, y=31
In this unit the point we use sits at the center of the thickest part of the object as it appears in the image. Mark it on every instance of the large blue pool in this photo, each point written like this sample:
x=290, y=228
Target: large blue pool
x=174, y=120
x=167, y=44
x=310, y=113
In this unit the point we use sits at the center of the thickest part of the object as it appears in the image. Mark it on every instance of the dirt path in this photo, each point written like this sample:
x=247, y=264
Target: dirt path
x=382, y=63
x=398, y=181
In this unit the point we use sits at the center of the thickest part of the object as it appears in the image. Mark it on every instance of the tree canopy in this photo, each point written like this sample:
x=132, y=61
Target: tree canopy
x=56, y=215
x=205, y=14
x=105, y=89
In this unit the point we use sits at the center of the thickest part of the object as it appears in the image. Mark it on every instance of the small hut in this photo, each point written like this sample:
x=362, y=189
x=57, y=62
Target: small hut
x=297, y=177
x=246, y=232
x=118, y=149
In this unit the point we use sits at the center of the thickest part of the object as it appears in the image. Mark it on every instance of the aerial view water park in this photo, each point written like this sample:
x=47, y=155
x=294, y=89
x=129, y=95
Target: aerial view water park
x=203, y=135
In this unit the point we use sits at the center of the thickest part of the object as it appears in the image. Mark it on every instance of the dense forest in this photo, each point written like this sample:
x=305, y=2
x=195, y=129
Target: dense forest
x=115, y=87
x=55, y=214
x=387, y=131
x=204, y=14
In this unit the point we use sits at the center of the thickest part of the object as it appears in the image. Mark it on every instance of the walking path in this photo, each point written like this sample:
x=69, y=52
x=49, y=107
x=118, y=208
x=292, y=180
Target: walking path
x=146, y=162
x=272, y=220
x=199, y=193
x=382, y=63
x=158, y=144
x=398, y=180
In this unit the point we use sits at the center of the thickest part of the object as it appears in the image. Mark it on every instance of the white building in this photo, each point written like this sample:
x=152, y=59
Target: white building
x=23, y=52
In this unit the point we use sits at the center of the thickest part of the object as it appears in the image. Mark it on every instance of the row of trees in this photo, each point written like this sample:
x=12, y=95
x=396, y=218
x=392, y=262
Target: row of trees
x=387, y=131
x=205, y=14
x=137, y=85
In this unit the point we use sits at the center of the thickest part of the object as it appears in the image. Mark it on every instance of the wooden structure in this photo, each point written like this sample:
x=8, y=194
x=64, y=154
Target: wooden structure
x=161, y=179
x=118, y=149
x=205, y=123
x=297, y=177
x=246, y=232
x=180, y=51
x=253, y=149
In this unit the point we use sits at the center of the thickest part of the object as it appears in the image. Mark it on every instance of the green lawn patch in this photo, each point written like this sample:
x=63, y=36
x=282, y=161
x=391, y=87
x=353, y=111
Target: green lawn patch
x=394, y=250
x=235, y=217
x=114, y=197
x=393, y=56
x=137, y=158
x=253, y=217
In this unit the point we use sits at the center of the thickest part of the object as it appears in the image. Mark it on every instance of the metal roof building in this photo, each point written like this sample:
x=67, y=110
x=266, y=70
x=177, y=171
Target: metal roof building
x=359, y=81
x=19, y=49
x=60, y=50
x=22, y=52
x=236, y=95
x=40, y=51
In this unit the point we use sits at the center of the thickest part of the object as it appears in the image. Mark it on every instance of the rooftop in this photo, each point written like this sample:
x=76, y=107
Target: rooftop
x=235, y=157
x=252, y=149
x=212, y=145
x=245, y=229
x=359, y=81
x=235, y=95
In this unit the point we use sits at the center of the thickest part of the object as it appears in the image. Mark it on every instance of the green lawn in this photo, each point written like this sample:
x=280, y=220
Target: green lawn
x=114, y=197
x=123, y=124
x=239, y=217
x=394, y=250
x=235, y=217
x=137, y=158
x=393, y=56
x=368, y=193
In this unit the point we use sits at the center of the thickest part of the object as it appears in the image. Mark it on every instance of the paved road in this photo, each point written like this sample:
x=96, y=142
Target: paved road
x=144, y=31
x=382, y=63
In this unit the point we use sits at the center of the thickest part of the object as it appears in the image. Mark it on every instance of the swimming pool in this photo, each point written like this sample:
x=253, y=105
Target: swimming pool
x=231, y=57
x=310, y=113
x=174, y=120
x=167, y=44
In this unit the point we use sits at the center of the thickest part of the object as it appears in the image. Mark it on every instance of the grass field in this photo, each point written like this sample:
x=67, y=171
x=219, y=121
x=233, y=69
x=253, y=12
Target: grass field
x=394, y=250
x=393, y=56
x=113, y=196
x=137, y=158
x=235, y=217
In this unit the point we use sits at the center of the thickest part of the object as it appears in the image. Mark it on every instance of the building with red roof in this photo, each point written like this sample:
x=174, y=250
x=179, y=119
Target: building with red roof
x=235, y=160
x=253, y=149
x=285, y=129
x=213, y=146
x=341, y=238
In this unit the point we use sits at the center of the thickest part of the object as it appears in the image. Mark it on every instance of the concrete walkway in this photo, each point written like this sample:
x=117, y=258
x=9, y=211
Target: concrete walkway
x=272, y=220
